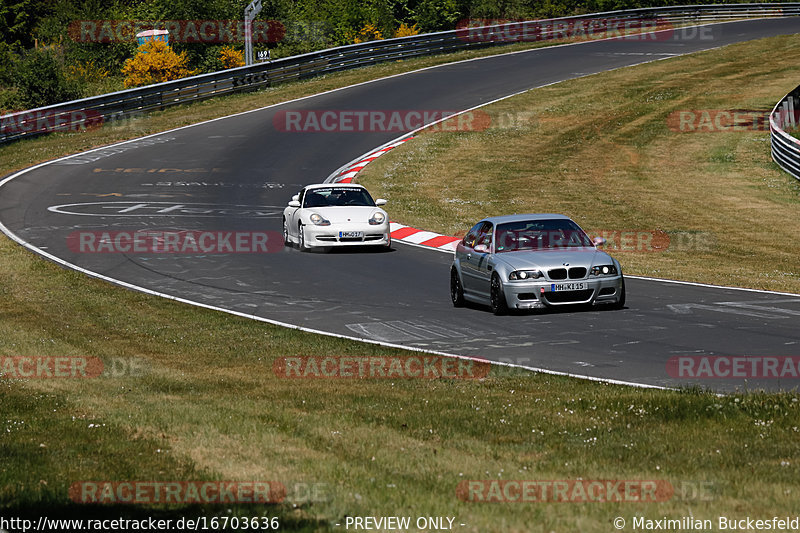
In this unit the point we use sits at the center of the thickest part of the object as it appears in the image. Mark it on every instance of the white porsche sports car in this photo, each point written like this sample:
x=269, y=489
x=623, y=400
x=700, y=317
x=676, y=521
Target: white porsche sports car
x=331, y=214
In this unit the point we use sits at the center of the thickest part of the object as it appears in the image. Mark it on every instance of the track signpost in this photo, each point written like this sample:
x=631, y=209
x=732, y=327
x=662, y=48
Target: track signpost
x=250, y=13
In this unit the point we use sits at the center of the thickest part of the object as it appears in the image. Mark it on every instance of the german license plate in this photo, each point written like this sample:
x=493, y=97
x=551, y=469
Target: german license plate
x=556, y=287
x=351, y=234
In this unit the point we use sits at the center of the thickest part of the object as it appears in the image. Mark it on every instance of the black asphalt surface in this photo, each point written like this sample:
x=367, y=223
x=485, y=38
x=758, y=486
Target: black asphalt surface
x=238, y=173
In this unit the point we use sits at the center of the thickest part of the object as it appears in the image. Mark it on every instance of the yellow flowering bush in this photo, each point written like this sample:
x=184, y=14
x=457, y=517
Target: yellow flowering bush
x=406, y=31
x=368, y=33
x=155, y=62
x=231, y=58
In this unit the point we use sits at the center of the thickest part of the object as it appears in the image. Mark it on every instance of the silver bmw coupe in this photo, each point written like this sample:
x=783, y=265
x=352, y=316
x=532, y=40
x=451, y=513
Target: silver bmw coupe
x=533, y=261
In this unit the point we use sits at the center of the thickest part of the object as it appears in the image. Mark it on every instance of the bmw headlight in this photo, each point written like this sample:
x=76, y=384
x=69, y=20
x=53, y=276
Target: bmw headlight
x=519, y=275
x=604, y=270
x=377, y=218
x=319, y=220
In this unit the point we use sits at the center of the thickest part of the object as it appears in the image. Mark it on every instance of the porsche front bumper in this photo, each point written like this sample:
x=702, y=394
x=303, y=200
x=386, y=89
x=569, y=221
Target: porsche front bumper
x=343, y=235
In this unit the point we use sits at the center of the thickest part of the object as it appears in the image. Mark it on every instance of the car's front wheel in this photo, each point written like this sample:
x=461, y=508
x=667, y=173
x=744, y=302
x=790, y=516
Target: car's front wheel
x=456, y=290
x=621, y=301
x=302, y=238
x=286, y=241
x=497, y=298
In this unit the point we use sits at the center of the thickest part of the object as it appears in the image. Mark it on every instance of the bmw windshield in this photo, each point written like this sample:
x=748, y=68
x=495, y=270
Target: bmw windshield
x=547, y=234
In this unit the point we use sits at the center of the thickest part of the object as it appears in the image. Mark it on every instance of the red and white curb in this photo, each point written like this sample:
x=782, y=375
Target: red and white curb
x=347, y=174
x=399, y=232
x=420, y=237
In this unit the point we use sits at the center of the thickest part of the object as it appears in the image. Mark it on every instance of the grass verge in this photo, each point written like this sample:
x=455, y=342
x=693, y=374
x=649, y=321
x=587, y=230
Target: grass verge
x=208, y=406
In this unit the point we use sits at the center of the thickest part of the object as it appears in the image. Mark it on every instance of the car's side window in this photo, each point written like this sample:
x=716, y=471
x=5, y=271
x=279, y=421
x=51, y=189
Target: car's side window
x=469, y=238
x=302, y=196
x=485, y=235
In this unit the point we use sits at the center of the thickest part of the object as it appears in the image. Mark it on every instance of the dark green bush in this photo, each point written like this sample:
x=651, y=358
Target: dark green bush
x=40, y=79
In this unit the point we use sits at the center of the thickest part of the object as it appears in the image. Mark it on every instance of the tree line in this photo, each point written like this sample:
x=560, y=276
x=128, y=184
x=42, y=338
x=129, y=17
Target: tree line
x=62, y=50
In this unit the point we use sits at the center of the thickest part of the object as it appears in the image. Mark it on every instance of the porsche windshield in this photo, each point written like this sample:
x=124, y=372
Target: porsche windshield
x=545, y=234
x=338, y=197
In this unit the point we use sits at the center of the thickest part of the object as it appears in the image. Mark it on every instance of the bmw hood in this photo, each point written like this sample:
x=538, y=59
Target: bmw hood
x=584, y=256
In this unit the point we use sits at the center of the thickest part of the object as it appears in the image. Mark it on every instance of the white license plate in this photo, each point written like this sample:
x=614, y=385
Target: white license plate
x=555, y=287
x=351, y=234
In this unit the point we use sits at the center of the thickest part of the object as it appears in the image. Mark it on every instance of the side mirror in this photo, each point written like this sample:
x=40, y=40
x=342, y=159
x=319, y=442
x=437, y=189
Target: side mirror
x=481, y=249
x=294, y=203
x=599, y=241
x=296, y=198
x=380, y=201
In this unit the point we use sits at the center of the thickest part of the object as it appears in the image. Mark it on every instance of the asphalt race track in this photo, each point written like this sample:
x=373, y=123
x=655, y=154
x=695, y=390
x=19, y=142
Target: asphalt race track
x=238, y=173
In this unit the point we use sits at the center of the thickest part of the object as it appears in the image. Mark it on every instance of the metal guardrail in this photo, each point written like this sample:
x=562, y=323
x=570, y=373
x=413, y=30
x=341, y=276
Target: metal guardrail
x=786, y=148
x=116, y=106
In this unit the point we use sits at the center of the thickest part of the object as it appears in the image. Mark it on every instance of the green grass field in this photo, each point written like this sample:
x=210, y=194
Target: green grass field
x=207, y=405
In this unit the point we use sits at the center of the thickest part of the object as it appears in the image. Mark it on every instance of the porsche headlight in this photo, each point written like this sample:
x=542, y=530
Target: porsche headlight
x=518, y=275
x=377, y=218
x=318, y=220
x=604, y=270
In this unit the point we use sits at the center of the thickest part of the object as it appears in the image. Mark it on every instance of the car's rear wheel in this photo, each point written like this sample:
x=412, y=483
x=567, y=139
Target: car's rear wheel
x=621, y=301
x=286, y=241
x=456, y=290
x=497, y=298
